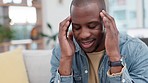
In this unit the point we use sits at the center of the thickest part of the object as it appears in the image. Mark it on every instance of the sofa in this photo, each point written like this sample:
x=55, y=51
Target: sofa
x=32, y=67
x=37, y=63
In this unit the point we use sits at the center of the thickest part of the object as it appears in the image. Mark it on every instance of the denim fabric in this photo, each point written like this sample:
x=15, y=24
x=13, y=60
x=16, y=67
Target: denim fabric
x=135, y=61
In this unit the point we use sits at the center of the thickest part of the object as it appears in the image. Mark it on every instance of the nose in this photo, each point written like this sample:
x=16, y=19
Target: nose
x=85, y=33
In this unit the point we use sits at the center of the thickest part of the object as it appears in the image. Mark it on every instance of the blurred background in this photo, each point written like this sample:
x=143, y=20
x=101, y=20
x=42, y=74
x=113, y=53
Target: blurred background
x=33, y=24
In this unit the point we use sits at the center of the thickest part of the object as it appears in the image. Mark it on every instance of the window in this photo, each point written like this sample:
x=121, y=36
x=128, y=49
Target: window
x=21, y=21
x=22, y=14
x=124, y=13
x=12, y=1
x=145, y=13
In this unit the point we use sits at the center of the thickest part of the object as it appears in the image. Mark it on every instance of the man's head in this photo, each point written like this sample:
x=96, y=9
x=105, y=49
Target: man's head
x=87, y=25
x=79, y=3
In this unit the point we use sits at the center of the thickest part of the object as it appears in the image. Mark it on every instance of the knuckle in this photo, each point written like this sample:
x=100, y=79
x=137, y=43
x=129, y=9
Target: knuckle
x=109, y=22
x=112, y=19
x=61, y=24
x=107, y=25
x=117, y=32
x=63, y=28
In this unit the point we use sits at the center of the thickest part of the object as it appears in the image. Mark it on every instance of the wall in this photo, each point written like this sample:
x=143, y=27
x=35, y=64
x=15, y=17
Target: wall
x=54, y=13
x=1, y=14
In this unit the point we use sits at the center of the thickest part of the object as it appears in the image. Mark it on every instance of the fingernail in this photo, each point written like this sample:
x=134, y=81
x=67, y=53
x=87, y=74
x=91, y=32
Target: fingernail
x=103, y=10
x=101, y=13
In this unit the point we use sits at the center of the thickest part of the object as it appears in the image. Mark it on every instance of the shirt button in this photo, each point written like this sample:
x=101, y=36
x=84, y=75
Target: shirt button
x=58, y=81
x=86, y=71
x=123, y=80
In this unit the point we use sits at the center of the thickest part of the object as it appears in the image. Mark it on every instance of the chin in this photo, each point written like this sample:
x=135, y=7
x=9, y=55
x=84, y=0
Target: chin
x=89, y=50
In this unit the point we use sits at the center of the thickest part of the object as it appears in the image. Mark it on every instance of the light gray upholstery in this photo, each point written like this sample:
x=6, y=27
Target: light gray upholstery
x=37, y=64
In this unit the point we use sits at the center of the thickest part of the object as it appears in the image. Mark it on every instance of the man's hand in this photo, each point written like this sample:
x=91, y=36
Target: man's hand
x=111, y=40
x=66, y=42
x=112, y=37
x=67, y=47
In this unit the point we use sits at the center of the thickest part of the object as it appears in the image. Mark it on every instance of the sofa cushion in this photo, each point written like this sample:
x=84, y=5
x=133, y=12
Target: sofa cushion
x=12, y=68
x=37, y=65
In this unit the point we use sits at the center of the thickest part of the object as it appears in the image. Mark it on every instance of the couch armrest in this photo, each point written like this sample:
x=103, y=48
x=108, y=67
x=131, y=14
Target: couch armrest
x=37, y=64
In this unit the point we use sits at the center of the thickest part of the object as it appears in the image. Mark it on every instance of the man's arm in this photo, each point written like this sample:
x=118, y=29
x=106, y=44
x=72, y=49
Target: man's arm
x=55, y=61
x=138, y=54
x=67, y=47
x=67, y=50
x=111, y=40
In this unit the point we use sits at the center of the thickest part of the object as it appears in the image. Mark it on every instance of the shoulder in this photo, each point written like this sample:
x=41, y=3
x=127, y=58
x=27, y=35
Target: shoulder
x=126, y=40
x=133, y=48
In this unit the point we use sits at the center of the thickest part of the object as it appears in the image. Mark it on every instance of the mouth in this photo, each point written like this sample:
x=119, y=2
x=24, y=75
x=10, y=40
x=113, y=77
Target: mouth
x=87, y=43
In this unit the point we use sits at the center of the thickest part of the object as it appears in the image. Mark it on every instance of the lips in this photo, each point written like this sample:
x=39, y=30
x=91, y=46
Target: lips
x=87, y=43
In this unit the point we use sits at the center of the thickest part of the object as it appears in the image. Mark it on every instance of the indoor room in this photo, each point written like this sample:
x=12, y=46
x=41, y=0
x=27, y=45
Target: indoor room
x=30, y=28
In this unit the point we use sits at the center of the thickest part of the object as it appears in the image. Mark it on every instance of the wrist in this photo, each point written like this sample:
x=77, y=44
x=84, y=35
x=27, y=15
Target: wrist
x=115, y=69
x=66, y=55
x=66, y=58
x=65, y=66
x=116, y=65
x=114, y=58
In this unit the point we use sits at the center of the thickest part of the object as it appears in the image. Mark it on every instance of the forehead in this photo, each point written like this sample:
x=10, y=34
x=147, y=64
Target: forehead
x=85, y=7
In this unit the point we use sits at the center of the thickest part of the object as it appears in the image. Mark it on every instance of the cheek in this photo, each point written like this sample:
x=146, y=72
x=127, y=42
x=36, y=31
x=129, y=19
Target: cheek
x=98, y=34
x=98, y=30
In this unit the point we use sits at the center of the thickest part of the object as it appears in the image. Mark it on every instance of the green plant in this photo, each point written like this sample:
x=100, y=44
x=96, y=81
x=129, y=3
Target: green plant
x=6, y=34
x=49, y=37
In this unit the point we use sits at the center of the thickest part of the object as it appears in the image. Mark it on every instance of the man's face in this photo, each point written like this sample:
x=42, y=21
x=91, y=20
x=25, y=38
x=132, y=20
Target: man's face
x=87, y=27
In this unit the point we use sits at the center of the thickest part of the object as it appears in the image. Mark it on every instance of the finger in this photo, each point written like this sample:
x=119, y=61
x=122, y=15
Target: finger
x=110, y=18
x=107, y=15
x=64, y=21
x=63, y=30
x=102, y=15
x=106, y=21
x=109, y=30
x=109, y=22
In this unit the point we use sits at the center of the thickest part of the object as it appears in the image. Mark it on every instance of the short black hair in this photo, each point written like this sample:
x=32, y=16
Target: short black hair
x=79, y=3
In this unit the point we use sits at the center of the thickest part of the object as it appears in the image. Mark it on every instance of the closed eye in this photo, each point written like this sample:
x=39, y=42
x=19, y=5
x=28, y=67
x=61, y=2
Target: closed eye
x=93, y=25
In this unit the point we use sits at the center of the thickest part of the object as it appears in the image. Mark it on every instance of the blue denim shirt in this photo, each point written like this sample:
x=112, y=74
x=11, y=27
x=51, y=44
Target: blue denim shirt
x=135, y=61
